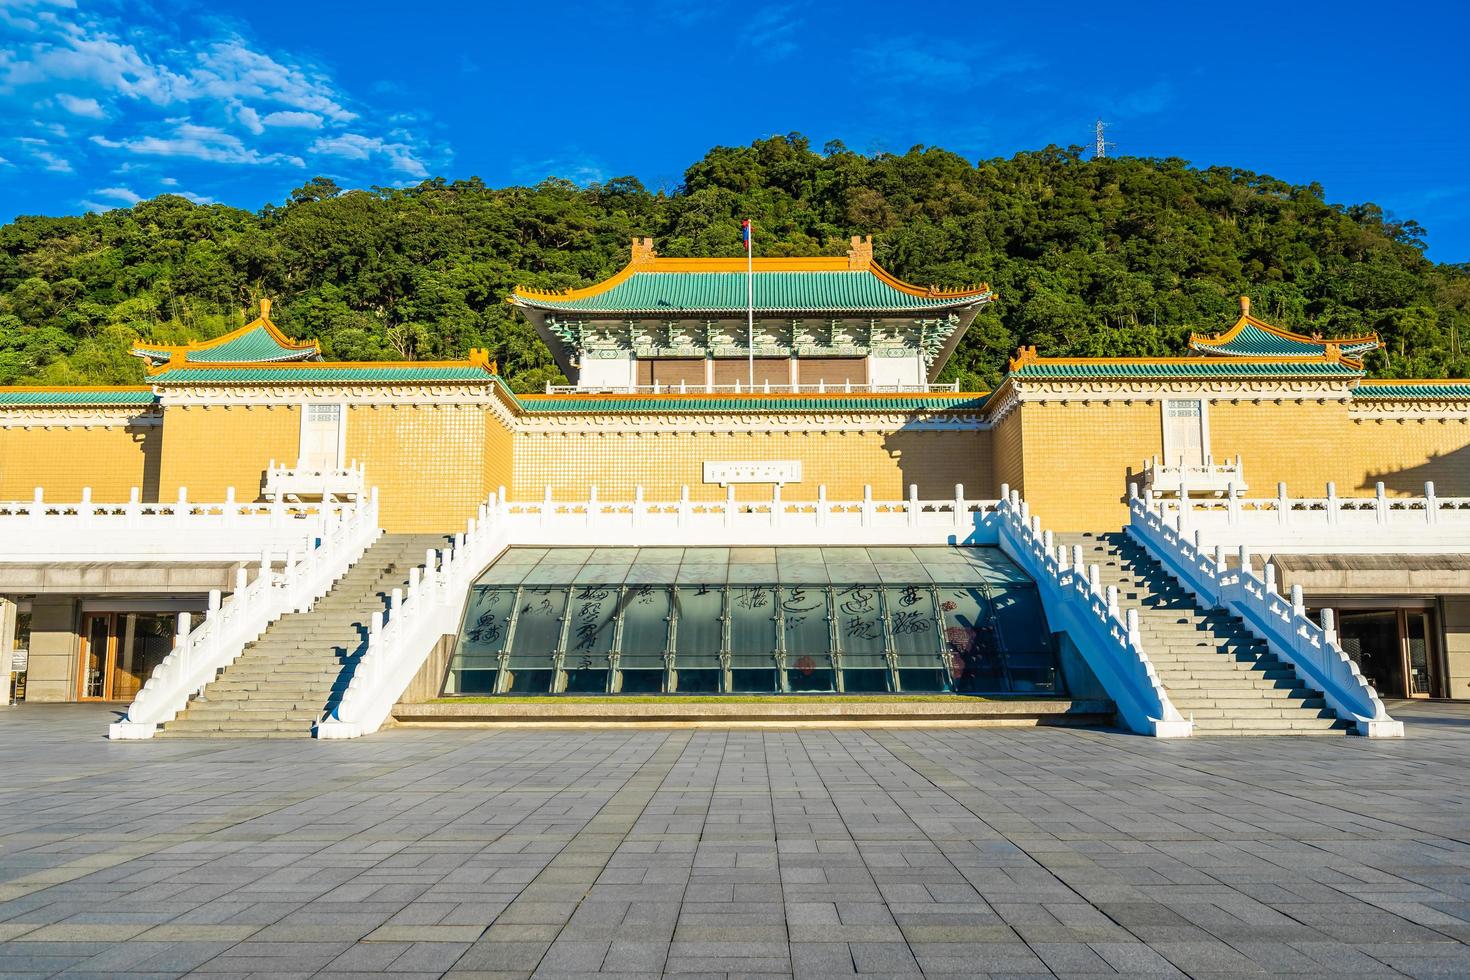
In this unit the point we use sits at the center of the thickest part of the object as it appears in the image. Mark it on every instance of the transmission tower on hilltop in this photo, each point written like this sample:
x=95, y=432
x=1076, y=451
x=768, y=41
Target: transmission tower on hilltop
x=1100, y=145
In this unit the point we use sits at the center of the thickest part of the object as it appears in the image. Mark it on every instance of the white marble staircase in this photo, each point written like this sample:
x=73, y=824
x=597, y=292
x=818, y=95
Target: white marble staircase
x=299, y=667
x=1215, y=670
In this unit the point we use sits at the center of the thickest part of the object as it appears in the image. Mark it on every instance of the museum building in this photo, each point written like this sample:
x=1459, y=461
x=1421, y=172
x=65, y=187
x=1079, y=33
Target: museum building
x=705, y=395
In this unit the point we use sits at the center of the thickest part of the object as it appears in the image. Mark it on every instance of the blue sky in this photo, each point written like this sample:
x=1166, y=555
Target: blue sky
x=108, y=102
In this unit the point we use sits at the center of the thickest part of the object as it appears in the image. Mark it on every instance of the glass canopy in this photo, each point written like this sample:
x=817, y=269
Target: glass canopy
x=753, y=620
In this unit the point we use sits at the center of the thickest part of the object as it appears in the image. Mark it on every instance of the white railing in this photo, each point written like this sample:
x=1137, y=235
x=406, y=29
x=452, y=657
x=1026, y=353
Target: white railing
x=730, y=521
x=1283, y=524
x=1313, y=650
x=1076, y=602
x=1183, y=479
x=433, y=605
x=300, y=482
x=177, y=530
x=200, y=652
x=400, y=642
x=764, y=388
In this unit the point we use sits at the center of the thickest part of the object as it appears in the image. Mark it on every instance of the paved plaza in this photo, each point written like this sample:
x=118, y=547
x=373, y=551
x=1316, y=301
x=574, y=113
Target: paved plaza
x=818, y=853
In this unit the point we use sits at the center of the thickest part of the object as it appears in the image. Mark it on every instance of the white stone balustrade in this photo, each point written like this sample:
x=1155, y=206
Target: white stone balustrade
x=201, y=651
x=307, y=483
x=180, y=530
x=1313, y=650
x=732, y=521
x=1183, y=479
x=1284, y=524
x=1107, y=637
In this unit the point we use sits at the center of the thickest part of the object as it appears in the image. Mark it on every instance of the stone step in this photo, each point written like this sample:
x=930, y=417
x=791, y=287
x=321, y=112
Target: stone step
x=244, y=711
x=1290, y=712
x=1271, y=726
x=1302, y=696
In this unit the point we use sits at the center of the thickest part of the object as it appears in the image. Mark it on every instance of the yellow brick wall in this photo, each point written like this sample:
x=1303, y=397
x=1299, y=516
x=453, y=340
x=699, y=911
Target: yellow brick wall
x=663, y=462
x=1010, y=468
x=427, y=461
x=1302, y=443
x=209, y=448
x=1081, y=456
x=112, y=460
x=499, y=456
x=1404, y=454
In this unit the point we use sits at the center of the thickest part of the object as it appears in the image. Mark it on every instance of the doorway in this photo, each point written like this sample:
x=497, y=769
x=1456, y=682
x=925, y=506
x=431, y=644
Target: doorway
x=1185, y=437
x=321, y=438
x=119, y=651
x=1393, y=648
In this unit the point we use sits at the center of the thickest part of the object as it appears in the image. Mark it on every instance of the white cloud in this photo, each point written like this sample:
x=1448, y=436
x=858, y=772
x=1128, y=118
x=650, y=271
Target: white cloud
x=90, y=108
x=233, y=70
x=40, y=151
x=250, y=119
x=188, y=89
x=196, y=142
x=196, y=198
x=294, y=120
x=169, y=181
x=123, y=194
x=355, y=146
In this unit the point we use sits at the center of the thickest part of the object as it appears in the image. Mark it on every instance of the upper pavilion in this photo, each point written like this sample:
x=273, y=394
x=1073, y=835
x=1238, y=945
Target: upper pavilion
x=1253, y=337
x=820, y=322
x=258, y=342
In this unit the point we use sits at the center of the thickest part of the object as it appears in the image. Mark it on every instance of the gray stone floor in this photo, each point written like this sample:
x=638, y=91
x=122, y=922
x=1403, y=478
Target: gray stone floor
x=733, y=853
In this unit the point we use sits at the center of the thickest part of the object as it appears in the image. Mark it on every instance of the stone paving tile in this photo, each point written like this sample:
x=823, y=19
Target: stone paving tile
x=709, y=853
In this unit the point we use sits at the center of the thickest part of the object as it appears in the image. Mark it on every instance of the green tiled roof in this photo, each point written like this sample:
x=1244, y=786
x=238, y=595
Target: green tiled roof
x=1252, y=341
x=1185, y=369
x=81, y=398
x=1414, y=390
x=254, y=345
x=327, y=372
x=775, y=292
x=668, y=403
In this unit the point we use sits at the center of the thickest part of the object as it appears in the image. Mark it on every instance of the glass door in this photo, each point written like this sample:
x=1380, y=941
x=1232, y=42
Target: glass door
x=94, y=678
x=1417, y=653
x=120, y=651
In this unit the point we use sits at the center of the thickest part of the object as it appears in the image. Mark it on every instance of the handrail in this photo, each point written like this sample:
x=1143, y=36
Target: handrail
x=775, y=508
x=1330, y=509
x=400, y=642
x=136, y=513
x=1076, y=603
x=1313, y=650
x=200, y=652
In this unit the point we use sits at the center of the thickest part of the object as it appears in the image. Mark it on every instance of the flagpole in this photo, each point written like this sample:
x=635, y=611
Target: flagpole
x=750, y=301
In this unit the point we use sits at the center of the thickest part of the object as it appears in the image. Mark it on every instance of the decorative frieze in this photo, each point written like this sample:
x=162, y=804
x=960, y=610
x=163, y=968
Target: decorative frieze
x=79, y=418
x=1014, y=392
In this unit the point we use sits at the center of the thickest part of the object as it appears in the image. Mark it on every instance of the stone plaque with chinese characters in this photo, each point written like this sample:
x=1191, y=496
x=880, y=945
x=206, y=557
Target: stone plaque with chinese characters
x=725, y=472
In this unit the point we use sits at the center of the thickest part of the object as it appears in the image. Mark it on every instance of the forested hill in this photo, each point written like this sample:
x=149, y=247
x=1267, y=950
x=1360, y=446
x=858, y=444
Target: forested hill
x=1090, y=257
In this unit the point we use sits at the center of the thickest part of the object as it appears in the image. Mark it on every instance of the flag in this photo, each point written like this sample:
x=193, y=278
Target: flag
x=745, y=233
